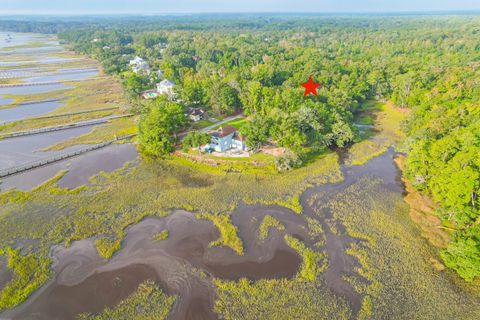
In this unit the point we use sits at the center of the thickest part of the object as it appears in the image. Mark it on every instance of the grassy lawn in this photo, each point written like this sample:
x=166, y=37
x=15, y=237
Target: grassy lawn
x=237, y=123
x=202, y=124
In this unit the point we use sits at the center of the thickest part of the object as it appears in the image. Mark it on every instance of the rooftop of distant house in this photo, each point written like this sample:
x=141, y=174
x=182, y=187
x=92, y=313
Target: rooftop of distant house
x=223, y=131
x=197, y=112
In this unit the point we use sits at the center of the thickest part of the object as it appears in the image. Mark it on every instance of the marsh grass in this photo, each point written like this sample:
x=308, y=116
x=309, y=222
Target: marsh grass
x=395, y=261
x=106, y=247
x=312, y=264
x=163, y=235
x=267, y=223
x=83, y=96
x=50, y=215
x=277, y=299
x=29, y=270
x=114, y=128
x=387, y=121
x=147, y=302
x=33, y=123
x=228, y=232
x=10, y=81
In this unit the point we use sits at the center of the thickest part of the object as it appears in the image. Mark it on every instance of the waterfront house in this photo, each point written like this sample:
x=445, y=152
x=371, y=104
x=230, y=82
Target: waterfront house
x=226, y=138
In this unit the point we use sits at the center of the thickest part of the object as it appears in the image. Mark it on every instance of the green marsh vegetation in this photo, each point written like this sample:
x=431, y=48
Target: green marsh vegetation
x=148, y=302
x=395, y=262
x=228, y=232
x=267, y=223
x=387, y=120
x=114, y=128
x=312, y=265
x=277, y=299
x=29, y=270
x=303, y=297
x=163, y=235
x=49, y=215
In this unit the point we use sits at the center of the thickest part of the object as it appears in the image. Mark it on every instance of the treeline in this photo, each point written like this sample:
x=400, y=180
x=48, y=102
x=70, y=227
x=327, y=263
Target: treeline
x=256, y=63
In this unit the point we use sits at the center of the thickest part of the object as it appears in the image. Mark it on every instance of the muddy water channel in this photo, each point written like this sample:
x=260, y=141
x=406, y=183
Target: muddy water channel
x=184, y=264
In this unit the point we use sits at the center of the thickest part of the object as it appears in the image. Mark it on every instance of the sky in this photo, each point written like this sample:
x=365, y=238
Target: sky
x=210, y=6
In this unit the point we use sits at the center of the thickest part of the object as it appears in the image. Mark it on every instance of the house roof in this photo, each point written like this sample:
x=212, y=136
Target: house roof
x=136, y=60
x=197, y=112
x=166, y=83
x=224, y=131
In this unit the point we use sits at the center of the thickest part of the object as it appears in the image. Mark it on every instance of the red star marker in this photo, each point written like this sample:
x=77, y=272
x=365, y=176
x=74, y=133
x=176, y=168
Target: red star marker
x=310, y=87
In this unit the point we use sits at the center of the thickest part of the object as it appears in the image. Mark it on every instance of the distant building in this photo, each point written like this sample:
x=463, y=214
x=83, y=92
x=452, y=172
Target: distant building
x=136, y=60
x=196, y=114
x=142, y=67
x=226, y=138
x=160, y=74
x=139, y=65
x=165, y=87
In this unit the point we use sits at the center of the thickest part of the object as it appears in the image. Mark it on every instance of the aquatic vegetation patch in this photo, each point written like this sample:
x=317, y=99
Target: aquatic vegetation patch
x=396, y=261
x=30, y=271
x=312, y=264
x=277, y=299
x=228, y=231
x=106, y=247
x=267, y=223
x=163, y=235
x=388, y=132
x=148, y=302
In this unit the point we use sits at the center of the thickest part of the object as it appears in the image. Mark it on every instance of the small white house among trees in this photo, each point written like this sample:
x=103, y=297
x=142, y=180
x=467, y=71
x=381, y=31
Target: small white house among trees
x=165, y=87
x=139, y=65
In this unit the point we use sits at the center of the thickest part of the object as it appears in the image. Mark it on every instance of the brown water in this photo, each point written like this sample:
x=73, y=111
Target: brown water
x=284, y=264
x=92, y=295
x=5, y=274
x=176, y=262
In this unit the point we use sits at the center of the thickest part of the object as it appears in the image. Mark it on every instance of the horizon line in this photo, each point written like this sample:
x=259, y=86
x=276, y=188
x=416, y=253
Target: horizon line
x=102, y=13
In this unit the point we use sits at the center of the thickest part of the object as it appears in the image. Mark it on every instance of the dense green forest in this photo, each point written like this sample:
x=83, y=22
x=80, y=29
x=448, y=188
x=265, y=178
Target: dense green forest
x=255, y=64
